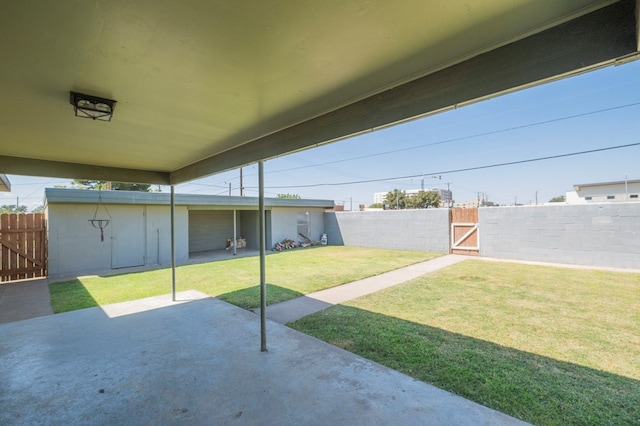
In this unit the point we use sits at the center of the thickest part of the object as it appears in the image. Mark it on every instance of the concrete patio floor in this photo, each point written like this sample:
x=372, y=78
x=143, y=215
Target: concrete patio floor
x=198, y=361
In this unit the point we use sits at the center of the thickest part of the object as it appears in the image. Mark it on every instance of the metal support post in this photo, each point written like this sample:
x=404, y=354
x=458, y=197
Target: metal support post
x=263, y=279
x=173, y=244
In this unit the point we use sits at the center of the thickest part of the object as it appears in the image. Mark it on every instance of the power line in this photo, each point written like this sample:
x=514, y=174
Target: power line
x=510, y=163
x=461, y=138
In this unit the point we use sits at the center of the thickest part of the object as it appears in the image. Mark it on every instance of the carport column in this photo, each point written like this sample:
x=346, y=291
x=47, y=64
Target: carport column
x=263, y=280
x=173, y=243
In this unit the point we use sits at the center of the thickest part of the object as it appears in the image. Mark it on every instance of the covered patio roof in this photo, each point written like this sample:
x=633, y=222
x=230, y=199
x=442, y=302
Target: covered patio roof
x=203, y=87
x=5, y=185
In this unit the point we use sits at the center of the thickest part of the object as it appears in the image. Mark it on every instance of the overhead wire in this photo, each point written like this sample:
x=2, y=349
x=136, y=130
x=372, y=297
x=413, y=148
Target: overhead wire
x=467, y=169
x=461, y=138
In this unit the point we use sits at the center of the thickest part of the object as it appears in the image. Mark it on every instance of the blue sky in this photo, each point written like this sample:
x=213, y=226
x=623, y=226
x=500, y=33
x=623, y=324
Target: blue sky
x=596, y=110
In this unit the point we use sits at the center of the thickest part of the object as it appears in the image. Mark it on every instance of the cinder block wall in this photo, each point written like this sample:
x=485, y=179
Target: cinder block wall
x=593, y=234
x=426, y=230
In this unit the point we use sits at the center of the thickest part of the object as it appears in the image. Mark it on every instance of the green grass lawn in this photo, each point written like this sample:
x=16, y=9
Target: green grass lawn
x=546, y=345
x=289, y=275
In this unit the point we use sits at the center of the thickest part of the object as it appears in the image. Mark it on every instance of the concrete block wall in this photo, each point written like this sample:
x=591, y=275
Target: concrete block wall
x=593, y=234
x=426, y=230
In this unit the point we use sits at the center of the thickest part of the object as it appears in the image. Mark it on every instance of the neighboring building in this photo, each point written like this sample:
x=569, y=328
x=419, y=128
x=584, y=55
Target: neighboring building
x=620, y=191
x=139, y=228
x=445, y=195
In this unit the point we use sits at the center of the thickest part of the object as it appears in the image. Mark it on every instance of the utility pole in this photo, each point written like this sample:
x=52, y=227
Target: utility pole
x=230, y=193
x=626, y=188
x=241, y=188
x=536, y=198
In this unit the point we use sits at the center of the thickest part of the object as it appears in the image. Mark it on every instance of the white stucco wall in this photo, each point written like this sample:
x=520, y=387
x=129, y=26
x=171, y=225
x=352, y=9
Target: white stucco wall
x=74, y=245
x=75, y=248
x=159, y=218
x=284, y=223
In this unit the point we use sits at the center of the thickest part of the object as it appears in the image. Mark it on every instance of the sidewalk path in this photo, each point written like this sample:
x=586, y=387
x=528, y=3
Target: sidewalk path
x=294, y=309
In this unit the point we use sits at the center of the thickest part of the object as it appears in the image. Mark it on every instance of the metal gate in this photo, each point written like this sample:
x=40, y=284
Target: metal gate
x=465, y=236
x=23, y=246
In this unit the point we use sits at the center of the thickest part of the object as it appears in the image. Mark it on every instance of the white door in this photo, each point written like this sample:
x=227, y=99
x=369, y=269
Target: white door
x=127, y=237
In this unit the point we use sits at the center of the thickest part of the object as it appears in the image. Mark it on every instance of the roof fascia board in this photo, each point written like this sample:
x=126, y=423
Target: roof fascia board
x=588, y=42
x=618, y=182
x=83, y=196
x=58, y=169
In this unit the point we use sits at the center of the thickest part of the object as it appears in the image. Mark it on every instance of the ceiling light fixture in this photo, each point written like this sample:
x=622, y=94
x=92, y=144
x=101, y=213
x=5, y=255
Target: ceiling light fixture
x=93, y=107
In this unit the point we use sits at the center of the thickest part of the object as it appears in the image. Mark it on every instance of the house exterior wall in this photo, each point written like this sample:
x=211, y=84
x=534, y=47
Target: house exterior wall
x=248, y=228
x=158, y=234
x=284, y=224
x=587, y=234
x=424, y=229
x=209, y=229
x=74, y=246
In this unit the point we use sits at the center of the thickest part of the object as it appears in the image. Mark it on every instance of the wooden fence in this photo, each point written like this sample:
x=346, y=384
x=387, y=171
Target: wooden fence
x=23, y=246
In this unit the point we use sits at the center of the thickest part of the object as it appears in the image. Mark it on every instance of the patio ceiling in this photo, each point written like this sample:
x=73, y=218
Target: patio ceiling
x=205, y=86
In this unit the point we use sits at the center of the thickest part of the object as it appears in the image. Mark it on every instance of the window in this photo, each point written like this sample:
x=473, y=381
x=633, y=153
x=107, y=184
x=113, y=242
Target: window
x=633, y=196
x=611, y=197
x=588, y=198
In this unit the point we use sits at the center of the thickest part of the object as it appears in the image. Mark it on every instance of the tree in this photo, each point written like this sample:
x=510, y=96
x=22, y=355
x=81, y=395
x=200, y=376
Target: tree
x=105, y=185
x=396, y=199
x=290, y=196
x=376, y=206
x=424, y=200
x=11, y=208
x=558, y=199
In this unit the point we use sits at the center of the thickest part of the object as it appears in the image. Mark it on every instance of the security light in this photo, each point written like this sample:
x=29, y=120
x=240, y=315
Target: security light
x=93, y=107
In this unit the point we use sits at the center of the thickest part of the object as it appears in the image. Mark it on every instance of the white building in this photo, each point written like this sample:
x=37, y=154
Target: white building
x=620, y=191
x=445, y=195
x=139, y=229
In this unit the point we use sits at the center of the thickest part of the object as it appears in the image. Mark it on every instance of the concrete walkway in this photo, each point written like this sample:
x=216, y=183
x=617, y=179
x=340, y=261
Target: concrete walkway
x=300, y=307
